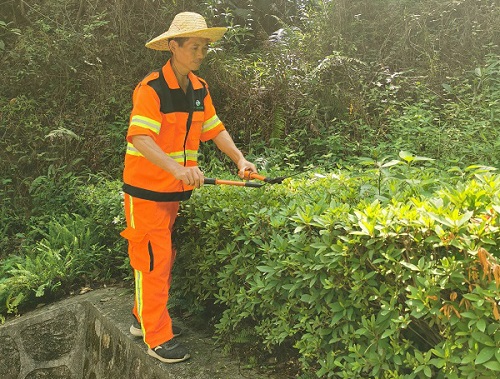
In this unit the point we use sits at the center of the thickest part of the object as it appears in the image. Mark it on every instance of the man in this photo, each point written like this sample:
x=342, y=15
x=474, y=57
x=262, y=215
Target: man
x=172, y=112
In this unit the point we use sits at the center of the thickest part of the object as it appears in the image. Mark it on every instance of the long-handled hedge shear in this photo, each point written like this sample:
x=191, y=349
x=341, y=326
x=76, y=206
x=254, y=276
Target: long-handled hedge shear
x=231, y=183
x=248, y=175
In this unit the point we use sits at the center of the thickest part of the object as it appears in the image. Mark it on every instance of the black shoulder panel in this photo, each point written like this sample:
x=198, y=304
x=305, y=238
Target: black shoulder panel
x=174, y=100
x=161, y=88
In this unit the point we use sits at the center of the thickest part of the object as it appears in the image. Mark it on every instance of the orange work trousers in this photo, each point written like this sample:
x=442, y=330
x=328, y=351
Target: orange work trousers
x=149, y=231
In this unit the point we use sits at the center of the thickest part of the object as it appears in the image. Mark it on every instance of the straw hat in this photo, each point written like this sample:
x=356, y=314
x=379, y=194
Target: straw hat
x=186, y=24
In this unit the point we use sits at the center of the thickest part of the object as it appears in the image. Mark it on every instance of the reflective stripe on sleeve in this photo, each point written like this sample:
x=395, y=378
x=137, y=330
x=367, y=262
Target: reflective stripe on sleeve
x=178, y=156
x=133, y=151
x=146, y=122
x=192, y=155
x=210, y=124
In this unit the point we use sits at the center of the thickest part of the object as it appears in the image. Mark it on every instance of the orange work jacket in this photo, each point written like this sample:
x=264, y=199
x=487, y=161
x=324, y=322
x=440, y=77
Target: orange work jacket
x=177, y=122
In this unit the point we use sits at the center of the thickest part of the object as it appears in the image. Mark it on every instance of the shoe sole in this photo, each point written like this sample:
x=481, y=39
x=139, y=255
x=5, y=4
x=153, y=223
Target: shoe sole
x=136, y=332
x=168, y=360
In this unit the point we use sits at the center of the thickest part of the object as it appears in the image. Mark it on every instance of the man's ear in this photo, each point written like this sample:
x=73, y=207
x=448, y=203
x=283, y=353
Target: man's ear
x=172, y=45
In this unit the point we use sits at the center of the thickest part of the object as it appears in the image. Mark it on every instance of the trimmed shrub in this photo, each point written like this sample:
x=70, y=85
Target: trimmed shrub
x=406, y=287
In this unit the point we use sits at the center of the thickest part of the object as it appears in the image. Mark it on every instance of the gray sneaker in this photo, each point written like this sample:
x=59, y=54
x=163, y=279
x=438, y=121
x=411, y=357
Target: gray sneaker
x=136, y=330
x=170, y=352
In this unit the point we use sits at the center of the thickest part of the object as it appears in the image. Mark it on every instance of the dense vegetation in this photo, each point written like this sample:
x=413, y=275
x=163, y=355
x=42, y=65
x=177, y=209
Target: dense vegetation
x=381, y=261
x=358, y=285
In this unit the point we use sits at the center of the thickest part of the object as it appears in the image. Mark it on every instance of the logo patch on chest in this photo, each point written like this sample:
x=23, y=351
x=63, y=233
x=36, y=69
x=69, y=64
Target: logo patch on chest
x=198, y=105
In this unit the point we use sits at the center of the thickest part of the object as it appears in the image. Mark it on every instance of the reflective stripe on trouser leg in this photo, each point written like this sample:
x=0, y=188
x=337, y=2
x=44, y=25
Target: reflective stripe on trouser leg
x=138, y=297
x=151, y=305
x=152, y=257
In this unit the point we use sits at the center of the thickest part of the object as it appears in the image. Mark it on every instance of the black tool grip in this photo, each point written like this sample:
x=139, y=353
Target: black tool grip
x=253, y=184
x=209, y=181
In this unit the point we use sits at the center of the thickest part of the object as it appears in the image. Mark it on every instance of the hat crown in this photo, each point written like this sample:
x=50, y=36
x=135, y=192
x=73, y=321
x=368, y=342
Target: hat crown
x=186, y=24
x=187, y=21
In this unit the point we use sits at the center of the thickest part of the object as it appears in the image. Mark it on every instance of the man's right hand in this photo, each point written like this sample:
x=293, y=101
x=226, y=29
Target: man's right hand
x=192, y=176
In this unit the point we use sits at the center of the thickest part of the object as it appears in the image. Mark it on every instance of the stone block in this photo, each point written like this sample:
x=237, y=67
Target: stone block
x=50, y=340
x=10, y=359
x=60, y=372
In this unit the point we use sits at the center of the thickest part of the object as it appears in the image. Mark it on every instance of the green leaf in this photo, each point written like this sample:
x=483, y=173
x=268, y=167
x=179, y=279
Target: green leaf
x=428, y=371
x=438, y=352
x=469, y=358
x=336, y=318
x=307, y=298
x=266, y=269
x=40, y=291
x=483, y=338
x=336, y=307
x=391, y=163
x=408, y=157
x=387, y=333
x=438, y=363
x=481, y=325
x=470, y=315
x=485, y=355
x=493, y=365
x=465, y=218
x=411, y=266
x=472, y=297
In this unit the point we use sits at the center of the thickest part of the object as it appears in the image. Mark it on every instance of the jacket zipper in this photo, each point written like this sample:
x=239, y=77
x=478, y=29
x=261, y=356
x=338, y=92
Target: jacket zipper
x=188, y=126
x=190, y=92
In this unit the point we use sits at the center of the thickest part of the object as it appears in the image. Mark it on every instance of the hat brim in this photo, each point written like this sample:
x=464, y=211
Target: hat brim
x=161, y=42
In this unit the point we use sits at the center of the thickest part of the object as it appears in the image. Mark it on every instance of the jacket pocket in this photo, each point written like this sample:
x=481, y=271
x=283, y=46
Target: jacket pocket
x=140, y=250
x=195, y=130
x=197, y=120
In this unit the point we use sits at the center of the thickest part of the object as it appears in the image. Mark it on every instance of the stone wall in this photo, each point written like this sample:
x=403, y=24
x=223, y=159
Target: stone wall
x=73, y=341
x=44, y=344
x=86, y=337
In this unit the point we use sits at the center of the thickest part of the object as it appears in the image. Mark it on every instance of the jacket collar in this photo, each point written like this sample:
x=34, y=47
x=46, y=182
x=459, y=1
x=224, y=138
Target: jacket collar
x=172, y=82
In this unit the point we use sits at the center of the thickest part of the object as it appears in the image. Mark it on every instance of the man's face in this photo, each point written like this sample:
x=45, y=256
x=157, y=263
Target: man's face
x=191, y=53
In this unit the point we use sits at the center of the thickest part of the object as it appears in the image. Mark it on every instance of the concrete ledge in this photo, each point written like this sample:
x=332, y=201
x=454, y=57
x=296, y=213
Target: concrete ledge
x=87, y=337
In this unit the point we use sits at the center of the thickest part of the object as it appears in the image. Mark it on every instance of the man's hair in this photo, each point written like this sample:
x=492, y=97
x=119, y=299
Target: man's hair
x=180, y=40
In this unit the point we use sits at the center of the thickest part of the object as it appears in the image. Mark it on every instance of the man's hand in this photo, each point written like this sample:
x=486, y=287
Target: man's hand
x=192, y=176
x=244, y=165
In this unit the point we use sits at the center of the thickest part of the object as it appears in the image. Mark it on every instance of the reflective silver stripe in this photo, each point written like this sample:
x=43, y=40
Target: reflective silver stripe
x=132, y=218
x=146, y=122
x=139, y=297
x=192, y=155
x=132, y=150
x=210, y=124
x=178, y=156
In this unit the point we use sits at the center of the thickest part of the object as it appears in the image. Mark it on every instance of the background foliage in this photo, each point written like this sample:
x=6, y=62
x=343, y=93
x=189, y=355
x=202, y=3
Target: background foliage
x=400, y=249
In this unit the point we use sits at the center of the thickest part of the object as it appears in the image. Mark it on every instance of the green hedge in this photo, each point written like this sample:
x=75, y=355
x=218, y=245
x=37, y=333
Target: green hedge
x=390, y=272
x=404, y=285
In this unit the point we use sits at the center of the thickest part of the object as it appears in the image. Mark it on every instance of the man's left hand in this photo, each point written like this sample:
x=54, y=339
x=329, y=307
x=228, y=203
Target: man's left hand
x=244, y=165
